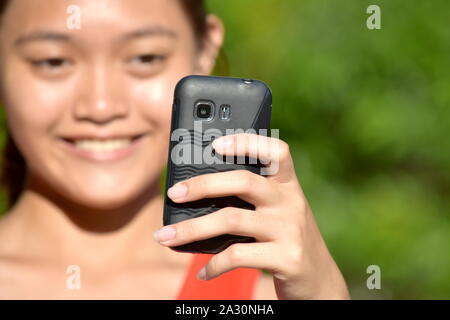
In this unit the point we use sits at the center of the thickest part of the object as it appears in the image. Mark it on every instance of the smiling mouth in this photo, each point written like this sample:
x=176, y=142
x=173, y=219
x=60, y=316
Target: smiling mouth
x=104, y=148
x=102, y=144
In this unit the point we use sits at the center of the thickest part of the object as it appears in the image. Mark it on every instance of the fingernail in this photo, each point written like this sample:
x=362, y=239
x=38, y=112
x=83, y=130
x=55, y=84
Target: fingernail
x=222, y=142
x=201, y=275
x=164, y=234
x=177, y=191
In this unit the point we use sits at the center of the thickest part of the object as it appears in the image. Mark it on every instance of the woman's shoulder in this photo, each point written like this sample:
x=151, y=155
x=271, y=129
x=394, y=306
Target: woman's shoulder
x=7, y=227
x=9, y=234
x=17, y=270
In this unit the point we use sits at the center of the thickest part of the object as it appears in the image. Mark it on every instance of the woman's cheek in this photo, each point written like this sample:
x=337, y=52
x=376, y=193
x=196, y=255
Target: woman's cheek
x=154, y=99
x=34, y=110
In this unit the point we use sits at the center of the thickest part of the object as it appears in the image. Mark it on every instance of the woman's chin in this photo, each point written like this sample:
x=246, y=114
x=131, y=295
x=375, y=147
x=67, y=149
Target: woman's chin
x=105, y=199
x=101, y=191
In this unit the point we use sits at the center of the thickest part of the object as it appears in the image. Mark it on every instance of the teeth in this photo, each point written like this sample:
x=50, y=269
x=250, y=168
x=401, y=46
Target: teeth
x=102, y=145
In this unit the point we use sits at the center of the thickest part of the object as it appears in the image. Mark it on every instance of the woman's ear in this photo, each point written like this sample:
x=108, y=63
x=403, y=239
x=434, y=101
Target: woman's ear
x=211, y=44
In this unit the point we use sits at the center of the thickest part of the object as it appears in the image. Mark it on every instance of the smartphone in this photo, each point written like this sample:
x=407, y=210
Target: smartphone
x=205, y=108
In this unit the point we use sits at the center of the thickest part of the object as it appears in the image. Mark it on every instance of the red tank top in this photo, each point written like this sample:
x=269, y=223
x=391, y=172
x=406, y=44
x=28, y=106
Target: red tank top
x=237, y=284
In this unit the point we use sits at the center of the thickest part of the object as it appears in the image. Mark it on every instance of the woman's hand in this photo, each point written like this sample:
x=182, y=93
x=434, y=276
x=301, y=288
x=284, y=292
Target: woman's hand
x=288, y=241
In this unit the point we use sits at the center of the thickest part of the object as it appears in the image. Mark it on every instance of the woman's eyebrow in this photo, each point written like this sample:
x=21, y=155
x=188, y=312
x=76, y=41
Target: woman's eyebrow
x=47, y=35
x=42, y=35
x=156, y=30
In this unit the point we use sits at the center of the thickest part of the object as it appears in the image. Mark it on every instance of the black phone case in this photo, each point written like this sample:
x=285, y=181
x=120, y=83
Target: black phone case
x=250, y=103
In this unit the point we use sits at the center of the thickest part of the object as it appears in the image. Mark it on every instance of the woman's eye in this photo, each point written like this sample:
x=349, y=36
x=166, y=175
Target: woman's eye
x=146, y=65
x=51, y=63
x=147, y=58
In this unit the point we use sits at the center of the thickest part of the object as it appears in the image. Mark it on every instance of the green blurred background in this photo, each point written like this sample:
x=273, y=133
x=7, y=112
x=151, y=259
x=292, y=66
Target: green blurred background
x=367, y=116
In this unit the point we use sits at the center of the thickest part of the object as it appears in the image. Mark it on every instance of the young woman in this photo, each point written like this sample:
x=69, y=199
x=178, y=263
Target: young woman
x=88, y=115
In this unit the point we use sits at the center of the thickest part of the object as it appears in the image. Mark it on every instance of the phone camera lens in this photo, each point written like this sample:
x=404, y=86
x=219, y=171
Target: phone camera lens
x=204, y=111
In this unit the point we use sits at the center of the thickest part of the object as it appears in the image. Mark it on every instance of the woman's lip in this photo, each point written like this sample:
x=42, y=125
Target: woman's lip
x=103, y=156
x=101, y=138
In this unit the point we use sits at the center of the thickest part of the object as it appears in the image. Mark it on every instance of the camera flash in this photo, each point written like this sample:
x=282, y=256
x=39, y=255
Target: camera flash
x=225, y=112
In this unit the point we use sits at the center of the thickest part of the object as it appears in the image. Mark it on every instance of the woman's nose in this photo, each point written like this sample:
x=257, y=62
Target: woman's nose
x=100, y=98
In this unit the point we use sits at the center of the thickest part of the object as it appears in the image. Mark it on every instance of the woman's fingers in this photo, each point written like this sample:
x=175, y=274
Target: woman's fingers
x=242, y=255
x=272, y=152
x=244, y=184
x=229, y=220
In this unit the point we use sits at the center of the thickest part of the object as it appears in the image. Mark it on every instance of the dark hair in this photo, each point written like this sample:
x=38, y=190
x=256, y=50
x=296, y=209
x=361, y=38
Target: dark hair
x=13, y=166
x=3, y=4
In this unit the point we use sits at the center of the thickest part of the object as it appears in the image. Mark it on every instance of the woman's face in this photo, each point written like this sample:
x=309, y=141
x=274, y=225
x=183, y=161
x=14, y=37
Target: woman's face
x=66, y=90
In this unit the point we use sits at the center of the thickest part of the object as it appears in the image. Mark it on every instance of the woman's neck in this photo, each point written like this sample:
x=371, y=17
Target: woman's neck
x=51, y=227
